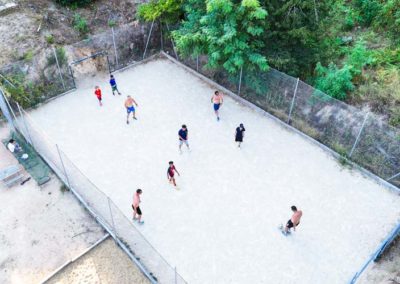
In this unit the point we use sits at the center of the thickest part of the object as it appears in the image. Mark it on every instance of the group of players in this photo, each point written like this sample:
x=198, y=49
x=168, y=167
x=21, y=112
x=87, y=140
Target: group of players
x=183, y=135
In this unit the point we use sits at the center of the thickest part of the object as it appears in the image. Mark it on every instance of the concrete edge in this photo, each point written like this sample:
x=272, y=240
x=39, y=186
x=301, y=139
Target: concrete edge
x=336, y=155
x=63, y=266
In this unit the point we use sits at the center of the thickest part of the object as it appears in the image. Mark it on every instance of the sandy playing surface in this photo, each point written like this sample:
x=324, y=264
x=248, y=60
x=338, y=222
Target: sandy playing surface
x=106, y=263
x=221, y=225
x=40, y=228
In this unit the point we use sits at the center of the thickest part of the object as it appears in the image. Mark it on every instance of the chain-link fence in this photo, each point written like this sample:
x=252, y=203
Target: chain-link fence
x=98, y=203
x=357, y=135
x=353, y=133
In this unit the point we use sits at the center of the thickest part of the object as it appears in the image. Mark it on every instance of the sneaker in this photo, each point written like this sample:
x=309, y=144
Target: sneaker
x=135, y=118
x=140, y=222
x=217, y=118
x=127, y=122
x=119, y=94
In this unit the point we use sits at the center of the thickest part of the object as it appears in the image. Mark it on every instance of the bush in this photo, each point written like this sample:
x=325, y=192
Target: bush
x=334, y=81
x=369, y=10
x=61, y=56
x=50, y=39
x=358, y=58
x=80, y=24
x=28, y=56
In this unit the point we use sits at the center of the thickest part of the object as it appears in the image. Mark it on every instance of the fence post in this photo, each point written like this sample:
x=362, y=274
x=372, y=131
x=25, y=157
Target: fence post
x=393, y=177
x=115, y=47
x=59, y=69
x=358, y=136
x=112, y=218
x=10, y=108
x=176, y=276
x=240, y=80
x=62, y=164
x=25, y=125
x=108, y=63
x=148, y=39
x=197, y=63
x=5, y=110
x=162, y=40
x=173, y=45
x=293, y=100
x=72, y=75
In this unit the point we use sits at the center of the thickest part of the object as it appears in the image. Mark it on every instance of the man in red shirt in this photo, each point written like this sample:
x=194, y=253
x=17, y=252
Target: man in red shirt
x=97, y=92
x=171, y=172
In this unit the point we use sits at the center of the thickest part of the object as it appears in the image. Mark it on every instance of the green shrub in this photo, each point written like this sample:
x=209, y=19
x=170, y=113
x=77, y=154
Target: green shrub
x=61, y=56
x=28, y=56
x=50, y=39
x=334, y=81
x=358, y=58
x=369, y=10
x=80, y=24
x=112, y=23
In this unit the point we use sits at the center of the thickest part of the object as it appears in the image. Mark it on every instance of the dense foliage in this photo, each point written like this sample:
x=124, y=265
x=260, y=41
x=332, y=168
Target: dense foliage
x=345, y=48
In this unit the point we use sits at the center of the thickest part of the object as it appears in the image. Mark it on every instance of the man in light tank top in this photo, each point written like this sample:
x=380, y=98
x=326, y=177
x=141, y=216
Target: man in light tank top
x=217, y=100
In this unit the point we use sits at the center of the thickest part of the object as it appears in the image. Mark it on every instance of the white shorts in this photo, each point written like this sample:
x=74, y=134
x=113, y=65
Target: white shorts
x=183, y=141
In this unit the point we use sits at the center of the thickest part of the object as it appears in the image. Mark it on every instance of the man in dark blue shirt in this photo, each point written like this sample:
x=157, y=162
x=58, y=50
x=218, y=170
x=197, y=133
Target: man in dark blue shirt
x=183, y=137
x=114, y=85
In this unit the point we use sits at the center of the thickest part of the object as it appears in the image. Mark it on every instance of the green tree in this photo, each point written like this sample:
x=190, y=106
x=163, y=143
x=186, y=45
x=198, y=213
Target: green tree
x=166, y=10
x=228, y=32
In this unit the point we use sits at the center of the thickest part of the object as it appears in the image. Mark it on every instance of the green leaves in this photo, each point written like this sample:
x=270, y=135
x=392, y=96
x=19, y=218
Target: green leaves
x=167, y=10
x=334, y=81
x=229, y=32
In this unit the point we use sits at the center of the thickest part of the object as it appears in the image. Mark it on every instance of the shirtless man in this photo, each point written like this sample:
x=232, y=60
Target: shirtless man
x=136, y=208
x=294, y=221
x=130, y=108
x=217, y=101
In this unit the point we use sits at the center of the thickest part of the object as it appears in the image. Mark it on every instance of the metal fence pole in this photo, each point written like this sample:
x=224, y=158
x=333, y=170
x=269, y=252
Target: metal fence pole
x=197, y=63
x=393, y=177
x=112, y=218
x=173, y=45
x=108, y=63
x=115, y=47
x=148, y=39
x=358, y=136
x=72, y=75
x=293, y=100
x=62, y=164
x=162, y=39
x=9, y=106
x=176, y=276
x=59, y=69
x=25, y=125
x=5, y=110
x=240, y=80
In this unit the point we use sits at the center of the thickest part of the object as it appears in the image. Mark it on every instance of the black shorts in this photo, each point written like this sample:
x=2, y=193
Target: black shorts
x=239, y=139
x=138, y=211
x=290, y=224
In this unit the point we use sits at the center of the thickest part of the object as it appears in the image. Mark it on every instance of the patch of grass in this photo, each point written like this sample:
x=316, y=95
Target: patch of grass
x=112, y=23
x=50, y=39
x=28, y=56
x=61, y=56
x=343, y=158
x=80, y=24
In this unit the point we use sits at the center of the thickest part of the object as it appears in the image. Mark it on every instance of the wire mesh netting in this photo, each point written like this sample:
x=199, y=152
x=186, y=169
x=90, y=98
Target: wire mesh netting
x=329, y=121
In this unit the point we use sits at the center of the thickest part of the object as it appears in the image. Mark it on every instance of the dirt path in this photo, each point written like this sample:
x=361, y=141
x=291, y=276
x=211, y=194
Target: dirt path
x=40, y=227
x=106, y=263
